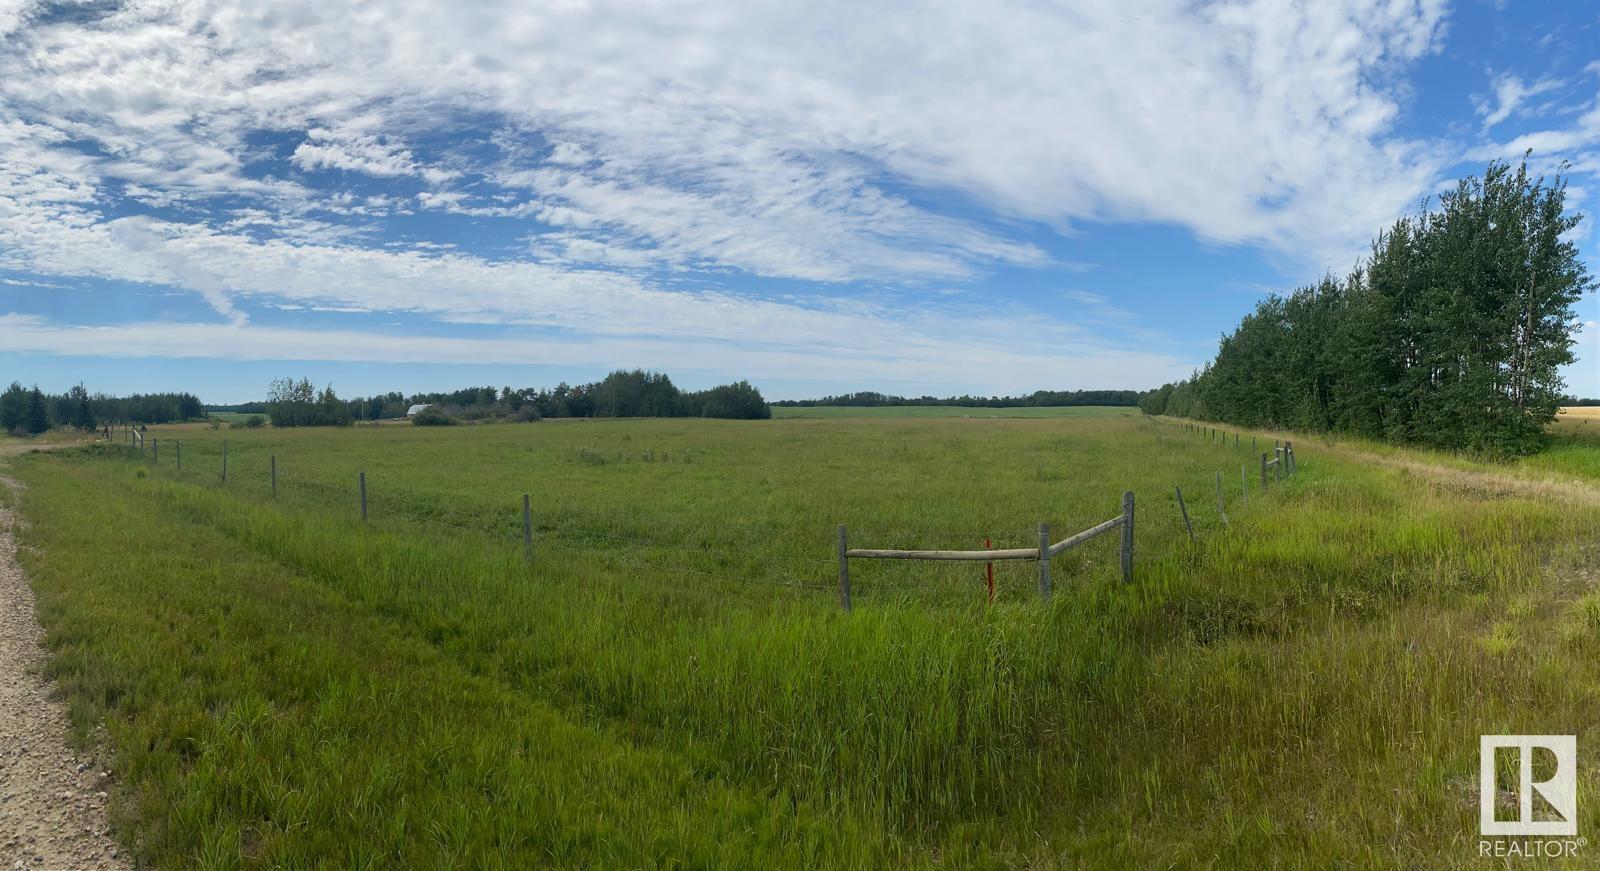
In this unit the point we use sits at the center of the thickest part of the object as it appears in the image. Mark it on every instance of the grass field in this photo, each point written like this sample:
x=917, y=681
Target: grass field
x=915, y=412
x=671, y=681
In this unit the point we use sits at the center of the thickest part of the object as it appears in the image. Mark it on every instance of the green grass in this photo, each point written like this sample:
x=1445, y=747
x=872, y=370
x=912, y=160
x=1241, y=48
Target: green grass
x=672, y=682
x=1572, y=452
x=927, y=411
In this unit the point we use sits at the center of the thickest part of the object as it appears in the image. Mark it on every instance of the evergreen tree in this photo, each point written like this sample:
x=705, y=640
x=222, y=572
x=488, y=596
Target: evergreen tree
x=37, y=417
x=13, y=408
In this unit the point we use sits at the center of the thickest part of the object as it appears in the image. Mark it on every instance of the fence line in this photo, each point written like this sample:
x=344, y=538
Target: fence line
x=1282, y=464
x=1222, y=510
x=1184, y=510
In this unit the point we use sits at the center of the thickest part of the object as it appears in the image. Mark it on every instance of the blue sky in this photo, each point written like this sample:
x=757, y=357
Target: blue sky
x=957, y=197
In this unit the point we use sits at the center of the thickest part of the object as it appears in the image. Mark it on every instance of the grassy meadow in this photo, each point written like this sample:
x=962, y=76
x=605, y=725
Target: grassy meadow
x=670, y=681
x=915, y=412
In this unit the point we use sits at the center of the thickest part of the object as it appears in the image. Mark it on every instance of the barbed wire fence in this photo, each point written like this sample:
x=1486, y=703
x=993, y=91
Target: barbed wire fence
x=768, y=567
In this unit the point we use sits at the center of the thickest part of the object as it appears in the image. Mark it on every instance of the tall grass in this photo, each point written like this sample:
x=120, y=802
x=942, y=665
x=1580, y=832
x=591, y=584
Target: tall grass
x=1253, y=694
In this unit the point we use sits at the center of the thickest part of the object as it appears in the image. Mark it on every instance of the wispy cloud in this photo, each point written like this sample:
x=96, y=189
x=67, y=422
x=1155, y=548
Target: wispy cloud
x=362, y=152
x=1510, y=94
x=303, y=152
x=927, y=365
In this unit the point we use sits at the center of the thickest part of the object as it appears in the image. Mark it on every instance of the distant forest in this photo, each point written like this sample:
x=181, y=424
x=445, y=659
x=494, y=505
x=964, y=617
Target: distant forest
x=624, y=393
x=1450, y=335
x=1037, y=399
x=31, y=410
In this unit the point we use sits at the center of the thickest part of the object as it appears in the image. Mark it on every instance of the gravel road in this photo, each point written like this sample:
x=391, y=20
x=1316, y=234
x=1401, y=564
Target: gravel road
x=52, y=798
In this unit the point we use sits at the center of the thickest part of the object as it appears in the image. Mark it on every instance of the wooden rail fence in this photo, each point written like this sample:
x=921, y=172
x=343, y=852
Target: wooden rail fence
x=1043, y=553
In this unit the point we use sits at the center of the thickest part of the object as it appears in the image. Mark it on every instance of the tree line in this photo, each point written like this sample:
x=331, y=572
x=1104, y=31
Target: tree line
x=1037, y=399
x=30, y=411
x=623, y=393
x=1449, y=335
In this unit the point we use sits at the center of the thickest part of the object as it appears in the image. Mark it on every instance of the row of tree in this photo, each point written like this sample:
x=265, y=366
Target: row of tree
x=624, y=393
x=299, y=403
x=1037, y=399
x=34, y=411
x=24, y=411
x=1451, y=334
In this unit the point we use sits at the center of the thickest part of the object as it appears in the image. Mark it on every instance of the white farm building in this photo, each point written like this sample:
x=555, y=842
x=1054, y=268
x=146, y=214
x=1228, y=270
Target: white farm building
x=415, y=410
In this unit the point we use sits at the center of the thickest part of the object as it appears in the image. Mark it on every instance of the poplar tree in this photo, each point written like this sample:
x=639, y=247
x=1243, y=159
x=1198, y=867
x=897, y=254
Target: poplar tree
x=1451, y=334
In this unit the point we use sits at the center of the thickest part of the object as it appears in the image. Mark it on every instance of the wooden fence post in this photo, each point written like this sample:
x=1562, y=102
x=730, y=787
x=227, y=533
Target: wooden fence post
x=155, y=451
x=844, y=569
x=1185, y=509
x=527, y=529
x=1221, y=511
x=1127, y=537
x=1263, y=471
x=363, y=480
x=1244, y=484
x=1044, y=561
x=1288, y=451
x=274, y=476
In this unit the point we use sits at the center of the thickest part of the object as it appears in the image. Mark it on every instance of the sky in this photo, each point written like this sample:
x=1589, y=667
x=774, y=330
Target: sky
x=947, y=197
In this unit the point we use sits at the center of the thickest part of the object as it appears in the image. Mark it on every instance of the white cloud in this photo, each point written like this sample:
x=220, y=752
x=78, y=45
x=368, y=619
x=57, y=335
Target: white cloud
x=1552, y=144
x=1510, y=93
x=137, y=236
x=827, y=143
x=447, y=285
x=925, y=366
x=768, y=129
x=11, y=12
x=362, y=152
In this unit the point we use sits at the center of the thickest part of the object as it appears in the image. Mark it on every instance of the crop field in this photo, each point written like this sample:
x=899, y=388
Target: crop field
x=670, y=680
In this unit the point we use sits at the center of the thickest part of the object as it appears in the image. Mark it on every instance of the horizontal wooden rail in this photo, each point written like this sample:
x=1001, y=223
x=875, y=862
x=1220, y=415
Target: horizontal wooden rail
x=1068, y=543
x=977, y=556
x=1041, y=554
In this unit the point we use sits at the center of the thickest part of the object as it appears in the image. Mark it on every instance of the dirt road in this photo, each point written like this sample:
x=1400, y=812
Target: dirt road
x=52, y=798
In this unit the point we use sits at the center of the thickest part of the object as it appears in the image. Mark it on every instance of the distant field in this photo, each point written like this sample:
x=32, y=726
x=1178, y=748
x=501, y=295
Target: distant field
x=671, y=680
x=927, y=411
